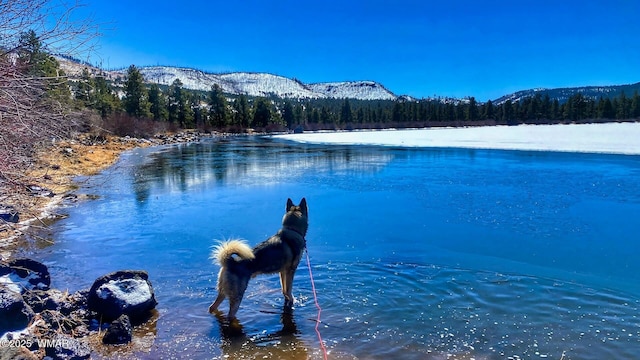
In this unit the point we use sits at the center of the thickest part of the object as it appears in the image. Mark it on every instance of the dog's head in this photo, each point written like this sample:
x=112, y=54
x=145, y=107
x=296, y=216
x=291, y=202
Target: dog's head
x=296, y=217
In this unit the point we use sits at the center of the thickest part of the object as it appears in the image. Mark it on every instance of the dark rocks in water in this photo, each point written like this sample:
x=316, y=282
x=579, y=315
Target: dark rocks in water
x=15, y=314
x=119, y=332
x=27, y=274
x=54, y=300
x=123, y=292
x=63, y=319
x=9, y=214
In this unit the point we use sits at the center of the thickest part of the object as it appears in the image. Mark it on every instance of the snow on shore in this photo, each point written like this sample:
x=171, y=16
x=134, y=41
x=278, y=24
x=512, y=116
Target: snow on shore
x=614, y=138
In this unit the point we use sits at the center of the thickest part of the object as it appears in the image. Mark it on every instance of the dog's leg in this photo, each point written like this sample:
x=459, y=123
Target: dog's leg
x=288, y=289
x=216, y=303
x=283, y=282
x=236, y=299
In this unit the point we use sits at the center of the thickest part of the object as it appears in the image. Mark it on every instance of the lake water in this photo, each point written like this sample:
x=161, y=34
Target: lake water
x=416, y=253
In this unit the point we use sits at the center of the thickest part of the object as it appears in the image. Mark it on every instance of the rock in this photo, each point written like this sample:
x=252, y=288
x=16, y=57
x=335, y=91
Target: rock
x=9, y=214
x=67, y=348
x=15, y=314
x=40, y=191
x=53, y=299
x=122, y=292
x=25, y=274
x=119, y=332
x=16, y=353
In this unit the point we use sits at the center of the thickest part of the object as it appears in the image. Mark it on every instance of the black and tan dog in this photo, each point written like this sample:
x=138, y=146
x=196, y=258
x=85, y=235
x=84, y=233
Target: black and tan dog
x=280, y=253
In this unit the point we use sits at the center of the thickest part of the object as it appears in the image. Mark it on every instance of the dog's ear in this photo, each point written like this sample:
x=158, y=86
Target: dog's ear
x=289, y=205
x=303, y=205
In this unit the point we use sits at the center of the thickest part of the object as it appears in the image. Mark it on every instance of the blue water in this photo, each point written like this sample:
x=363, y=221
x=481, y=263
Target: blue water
x=416, y=253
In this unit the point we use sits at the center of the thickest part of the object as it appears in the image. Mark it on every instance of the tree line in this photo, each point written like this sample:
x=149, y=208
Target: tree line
x=179, y=107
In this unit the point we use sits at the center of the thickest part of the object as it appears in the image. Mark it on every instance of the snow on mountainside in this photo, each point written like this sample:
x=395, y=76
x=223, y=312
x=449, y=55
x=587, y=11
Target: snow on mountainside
x=252, y=84
x=363, y=90
x=261, y=84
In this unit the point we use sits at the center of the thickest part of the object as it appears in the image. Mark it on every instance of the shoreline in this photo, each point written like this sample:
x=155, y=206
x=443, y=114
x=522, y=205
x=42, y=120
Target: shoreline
x=54, y=172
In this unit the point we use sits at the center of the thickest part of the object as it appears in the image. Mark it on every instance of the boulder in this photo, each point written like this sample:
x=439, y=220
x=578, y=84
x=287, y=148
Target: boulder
x=15, y=314
x=119, y=332
x=122, y=292
x=25, y=274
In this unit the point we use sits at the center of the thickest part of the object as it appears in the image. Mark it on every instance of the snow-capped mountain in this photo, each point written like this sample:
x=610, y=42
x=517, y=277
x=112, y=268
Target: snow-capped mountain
x=363, y=90
x=252, y=84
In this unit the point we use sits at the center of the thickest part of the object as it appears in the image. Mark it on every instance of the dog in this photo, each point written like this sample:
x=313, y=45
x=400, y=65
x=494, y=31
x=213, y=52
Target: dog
x=281, y=253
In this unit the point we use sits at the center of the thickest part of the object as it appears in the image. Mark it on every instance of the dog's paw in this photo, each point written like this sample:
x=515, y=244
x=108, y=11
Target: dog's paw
x=288, y=303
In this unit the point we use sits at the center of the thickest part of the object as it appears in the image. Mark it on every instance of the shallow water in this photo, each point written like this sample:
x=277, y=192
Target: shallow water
x=416, y=253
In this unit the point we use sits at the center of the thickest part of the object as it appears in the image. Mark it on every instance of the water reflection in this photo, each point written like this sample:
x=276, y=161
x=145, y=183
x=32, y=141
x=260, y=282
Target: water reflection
x=223, y=162
x=281, y=344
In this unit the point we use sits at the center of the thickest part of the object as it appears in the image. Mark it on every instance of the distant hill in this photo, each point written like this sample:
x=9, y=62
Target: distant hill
x=562, y=94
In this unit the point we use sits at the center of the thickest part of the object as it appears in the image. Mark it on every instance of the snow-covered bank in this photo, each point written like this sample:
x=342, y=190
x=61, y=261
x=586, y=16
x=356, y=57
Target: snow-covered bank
x=615, y=138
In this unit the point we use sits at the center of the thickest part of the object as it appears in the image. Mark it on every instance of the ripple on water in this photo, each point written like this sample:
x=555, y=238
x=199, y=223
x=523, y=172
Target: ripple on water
x=413, y=311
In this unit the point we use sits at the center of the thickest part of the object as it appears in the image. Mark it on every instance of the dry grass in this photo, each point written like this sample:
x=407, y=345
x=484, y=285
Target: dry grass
x=56, y=167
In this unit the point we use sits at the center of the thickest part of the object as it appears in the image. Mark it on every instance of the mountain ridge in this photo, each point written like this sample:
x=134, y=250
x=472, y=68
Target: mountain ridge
x=266, y=84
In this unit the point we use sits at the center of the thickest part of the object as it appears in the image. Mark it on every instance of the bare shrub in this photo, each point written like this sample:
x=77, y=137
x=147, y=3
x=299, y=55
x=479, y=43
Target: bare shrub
x=34, y=106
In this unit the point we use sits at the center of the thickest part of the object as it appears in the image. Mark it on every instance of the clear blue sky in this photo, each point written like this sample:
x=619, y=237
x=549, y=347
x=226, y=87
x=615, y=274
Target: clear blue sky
x=420, y=48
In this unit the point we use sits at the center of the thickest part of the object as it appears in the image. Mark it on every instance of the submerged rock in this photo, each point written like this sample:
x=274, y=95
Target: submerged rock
x=15, y=314
x=119, y=332
x=122, y=292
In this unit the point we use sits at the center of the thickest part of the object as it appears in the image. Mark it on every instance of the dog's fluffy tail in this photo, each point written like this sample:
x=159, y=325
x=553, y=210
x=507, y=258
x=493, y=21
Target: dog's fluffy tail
x=224, y=251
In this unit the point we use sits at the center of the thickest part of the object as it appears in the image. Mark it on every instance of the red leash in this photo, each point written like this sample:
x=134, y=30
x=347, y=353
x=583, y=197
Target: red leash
x=315, y=298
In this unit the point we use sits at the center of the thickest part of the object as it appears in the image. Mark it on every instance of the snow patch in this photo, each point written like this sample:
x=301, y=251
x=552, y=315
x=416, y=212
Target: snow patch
x=613, y=138
x=16, y=283
x=130, y=291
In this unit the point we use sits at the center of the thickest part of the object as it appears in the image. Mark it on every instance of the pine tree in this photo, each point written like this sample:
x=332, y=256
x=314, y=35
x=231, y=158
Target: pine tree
x=635, y=105
x=85, y=88
x=218, y=107
x=104, y=99
x=556, y=113
x=158, y=103
x=242, y=112
x=623, y=110
x=472, y=110
x=261, y=113
x=36, y=62
x=287, y=115
x=136, y=98
x=346, y=116
x=176, y=101
x=488, y=110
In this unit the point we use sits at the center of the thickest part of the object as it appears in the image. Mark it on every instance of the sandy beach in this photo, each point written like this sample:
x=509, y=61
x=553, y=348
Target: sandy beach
x=613, y=138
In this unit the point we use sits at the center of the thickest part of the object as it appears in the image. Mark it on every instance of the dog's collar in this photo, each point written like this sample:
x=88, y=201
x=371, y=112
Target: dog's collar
x=296, y=231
